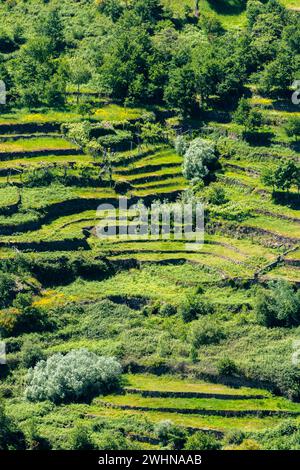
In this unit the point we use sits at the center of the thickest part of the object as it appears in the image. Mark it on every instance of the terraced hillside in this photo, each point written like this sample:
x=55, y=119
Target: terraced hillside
x=51, y=227
x=141, y=340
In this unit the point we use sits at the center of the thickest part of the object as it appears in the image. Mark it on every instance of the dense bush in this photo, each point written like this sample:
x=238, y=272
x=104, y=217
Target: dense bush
x=7, y=289
x=206, y=331
x=286, y=436
x=202, y=441
x=79, y=375
x=194, y=307
x=227, y=366
x=199, y=160
x=170, y=434
x=31, y=353
x=81, y=439
x=279, y=305
x=11, y=438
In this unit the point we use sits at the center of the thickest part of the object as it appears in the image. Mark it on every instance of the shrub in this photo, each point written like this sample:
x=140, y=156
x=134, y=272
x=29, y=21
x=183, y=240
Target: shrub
x=199, y=160
x=181, y=145
x=227, y=366
x=79, y=375
x=169, y=434
x=167, y=310
x=217, y=195
x=7, y=288
x=193, y=308
x=22, y=317
x=31, y=353
x=249, y=444
x=34, y=441
x=202, y=441
x=292, y=127
x=206, y=332
x=81, y=439
x=115, y=440
x=235, y=437
x=10, y=436
x=278, y=306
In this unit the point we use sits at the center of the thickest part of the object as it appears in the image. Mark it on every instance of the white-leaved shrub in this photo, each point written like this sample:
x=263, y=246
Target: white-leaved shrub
x=78, y=375
x=199, y=159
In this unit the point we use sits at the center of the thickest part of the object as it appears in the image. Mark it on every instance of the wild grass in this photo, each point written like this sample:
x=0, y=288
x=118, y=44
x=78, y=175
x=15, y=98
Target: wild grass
x=41, y=143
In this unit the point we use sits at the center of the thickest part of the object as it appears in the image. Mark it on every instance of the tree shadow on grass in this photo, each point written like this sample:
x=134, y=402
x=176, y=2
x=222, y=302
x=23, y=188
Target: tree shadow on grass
x=228, y=7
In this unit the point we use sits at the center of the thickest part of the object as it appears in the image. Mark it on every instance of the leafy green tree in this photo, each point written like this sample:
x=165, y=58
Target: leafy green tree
x=181, y=145
x=279, y=305
x=292, y=128
x=278, y=75
x=206, y=332
x=245, y=115
x=79, y=73
x=265, y=35
x=110, y=8
x=254, y=9
x=254, y=120
x=242, y=112
x=149, y=10
x=36, y=74
x=283, y=177
x=152, y=133
x=7, y=289
x=217, y=195
x=180, y=92
x=31, y=353
x=125, y=68
x=286, y=174
x=51, y=27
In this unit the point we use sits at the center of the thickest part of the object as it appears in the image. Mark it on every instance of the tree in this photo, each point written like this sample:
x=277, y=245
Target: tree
x=199, y=160
x=110, y=8
x=279, y=305
x=283, y=177
x=181, y=145
x=292, y=128
x=37, y=76
x=242, y=112
x=180, y=92
x=277, y=76
x=152, y=133
x=286, y=174
x=79, y=73
x=227, y=367
x=79, y=375
x=149, y=11
x=246, y=116
x=31, y=353
x=51, y=27
x=254, y=9
x=125, y=69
